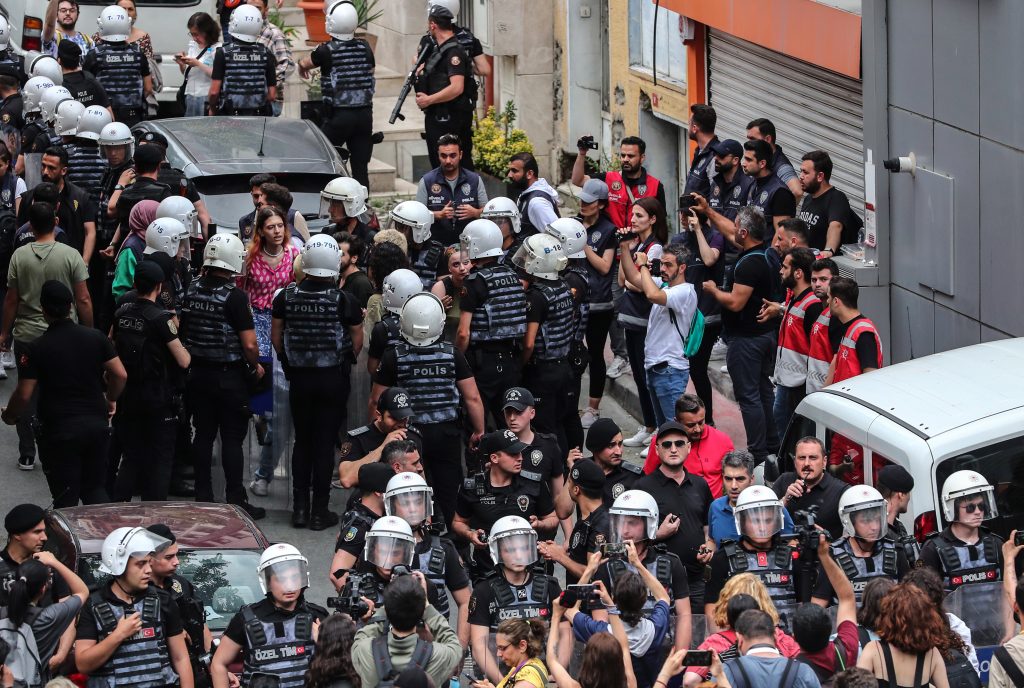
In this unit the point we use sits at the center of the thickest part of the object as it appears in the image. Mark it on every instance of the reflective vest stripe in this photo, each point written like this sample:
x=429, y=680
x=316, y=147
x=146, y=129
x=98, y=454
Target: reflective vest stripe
x=619, y=202
x=794, y=344
x=819, y=353
x=847, y=363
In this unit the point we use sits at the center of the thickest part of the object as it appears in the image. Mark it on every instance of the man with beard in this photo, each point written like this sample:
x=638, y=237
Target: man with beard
x=75, y=210
x=819, y=355
x=538, y=201
x=729, y=187
x=626, y=185
x=59, y=25
x=824, y=208
x=455, y=195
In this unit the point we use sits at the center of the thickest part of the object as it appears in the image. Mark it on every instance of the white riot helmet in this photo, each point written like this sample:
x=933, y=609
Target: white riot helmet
x=390, y=543
x=758, y=512
x=415, y=216
x=117, y=134
x=114, y=24
x=321, y=257
x=286, y=564
x=513, y=542
x=125, y=543
x=32, y=91
x=421, y=322
x=246, y=24
x=348, y=191
x=164, y=235
x=5, y=32
x=500, y=207
x=571, y=234
x=864, y=506
x=540, y=256
x=92, y=121
x=481, y=239
x=224, y=251
x=450, y=5
x=51, y=98
x=626, y=509
x=967, y=484
x=66, y=121
x=410, y=498
x=39, y=64
x=182, y=210
x=342, y=21
x=399, y=286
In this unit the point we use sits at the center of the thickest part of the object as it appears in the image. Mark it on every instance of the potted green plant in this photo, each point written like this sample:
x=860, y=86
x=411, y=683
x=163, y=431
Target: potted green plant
x=314, y=13
x=495, y=141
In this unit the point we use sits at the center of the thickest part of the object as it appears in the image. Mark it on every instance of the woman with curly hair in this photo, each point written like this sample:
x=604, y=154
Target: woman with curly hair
x=910, y=632
x=331, y=666
x=958, y=635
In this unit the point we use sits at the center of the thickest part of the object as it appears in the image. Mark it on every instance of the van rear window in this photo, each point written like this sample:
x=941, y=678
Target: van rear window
x=1003, y=465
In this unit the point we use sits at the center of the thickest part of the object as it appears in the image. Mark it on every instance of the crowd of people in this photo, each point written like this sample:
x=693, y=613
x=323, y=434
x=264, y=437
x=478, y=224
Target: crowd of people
x=494, y=526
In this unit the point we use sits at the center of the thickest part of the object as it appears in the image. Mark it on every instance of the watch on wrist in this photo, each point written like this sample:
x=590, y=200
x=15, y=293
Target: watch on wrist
x=118, y=187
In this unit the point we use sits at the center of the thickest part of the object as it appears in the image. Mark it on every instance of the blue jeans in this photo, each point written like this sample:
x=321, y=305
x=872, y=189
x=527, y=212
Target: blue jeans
x=195, y=106
x=786, y=400
x=751, y=361
x=665, y=385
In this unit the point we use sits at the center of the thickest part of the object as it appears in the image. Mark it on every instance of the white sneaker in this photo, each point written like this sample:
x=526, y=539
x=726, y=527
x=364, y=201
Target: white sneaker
x=259, y=487
x=3, y=373
x=588, y=417
x=7, y=360
x=641, y=439
x=618, y=366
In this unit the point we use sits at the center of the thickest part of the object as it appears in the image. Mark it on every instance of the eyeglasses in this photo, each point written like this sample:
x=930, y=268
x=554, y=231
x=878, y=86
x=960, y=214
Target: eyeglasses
x=668, y=444
x=976, y=506
x=502, y=648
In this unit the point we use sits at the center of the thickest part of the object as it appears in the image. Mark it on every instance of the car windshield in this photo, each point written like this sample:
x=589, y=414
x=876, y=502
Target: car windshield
x=227, y=196
x=226, y=138
x=225, y=579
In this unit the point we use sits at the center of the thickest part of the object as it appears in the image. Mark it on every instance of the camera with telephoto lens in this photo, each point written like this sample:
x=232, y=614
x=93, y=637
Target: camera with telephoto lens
x=349, y=601
x=613, y=550
x=807, y=534
x=587, y=142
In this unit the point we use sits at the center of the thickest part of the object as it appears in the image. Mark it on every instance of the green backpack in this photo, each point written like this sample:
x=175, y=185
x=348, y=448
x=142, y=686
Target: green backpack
x=695, y=335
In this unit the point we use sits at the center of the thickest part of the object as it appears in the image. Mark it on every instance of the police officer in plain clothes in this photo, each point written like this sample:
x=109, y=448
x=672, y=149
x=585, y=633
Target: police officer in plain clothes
x=810, y=485
x=146, y=339
x=451, y=191
x=120, y=67
x=537, y=199
x=218, y=330
x=276, y=635
x=441, y=88
x=244, y=79
x=347, y=83
x=493, y=319
x=128, y=632
x=585, y=487
x=438, y=379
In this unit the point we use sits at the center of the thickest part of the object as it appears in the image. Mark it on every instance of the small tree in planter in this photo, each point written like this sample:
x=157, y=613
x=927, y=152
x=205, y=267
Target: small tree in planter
x=495, y=141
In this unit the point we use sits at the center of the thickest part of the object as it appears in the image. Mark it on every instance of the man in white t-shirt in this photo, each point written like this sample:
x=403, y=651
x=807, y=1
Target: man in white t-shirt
x=672, y=311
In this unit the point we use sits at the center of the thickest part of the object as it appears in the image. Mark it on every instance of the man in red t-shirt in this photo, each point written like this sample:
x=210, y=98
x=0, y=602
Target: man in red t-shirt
x=707, y=444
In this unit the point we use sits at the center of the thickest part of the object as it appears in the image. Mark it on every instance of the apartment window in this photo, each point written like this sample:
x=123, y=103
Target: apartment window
x=668, y=48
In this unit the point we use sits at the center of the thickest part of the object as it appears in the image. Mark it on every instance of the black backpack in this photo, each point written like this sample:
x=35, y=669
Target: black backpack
x=960, y=672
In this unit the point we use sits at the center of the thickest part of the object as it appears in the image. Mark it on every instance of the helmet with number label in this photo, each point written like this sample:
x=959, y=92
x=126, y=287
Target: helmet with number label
x=963, y=484
x=225, y=251
x=633, y=516
x=342, y=20
x=164, y=235
x=246, y=24
x=503, y=208
x=114, y=24
x=347, y=190
x=863, y=512
x=513, y=542
x=415, y=216
x=399, y=287
x=41, y=64
x=571, y=233
x=32, y=92
x=69, y=112
x=410, y=498
x=117, y=134
x=321, y=256
x=758, y=512
x=390, y=543
x=182, y=210
x=481, y=239
x=285, y=564
x=92, y=121
x=51, y=98
x=125, y=543
x=540, y=256
x=421, y=322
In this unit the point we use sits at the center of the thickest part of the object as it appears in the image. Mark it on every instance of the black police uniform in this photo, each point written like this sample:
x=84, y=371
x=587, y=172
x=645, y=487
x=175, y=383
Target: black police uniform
x=356, y=522
x=578, y=282
x=495, y=599
x=454, y=116
x=621, y=478
x=177, y=182
x=887, y=560
x=246, y=72
x=144, y=659
x=318, y=359
x=776, y=568
x=494, y=295
x=542, y=461
x=120, y=68
x=142, y=189
x=427, y=261
x=698, y=179
x=275, y=641
x=146, y=420
x=86, y=167
x=384, y=335
x=463, y=190
x=587, y=536
x=472, y=47
x=906, y=541
x=193, y=620
x=361, y=441
x=357, y=228
x=347, y=84
x=441, y=565
x=213, y=313
x=431, y=375
x=36, y=136
x=772, y=197
x=12, y=120
x=85, y=88
x=548, y=374
x=14, y=63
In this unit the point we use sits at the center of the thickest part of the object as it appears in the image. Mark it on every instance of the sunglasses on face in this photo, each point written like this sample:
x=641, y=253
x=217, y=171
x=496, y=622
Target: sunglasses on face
x=975, y=506
x=668, y=444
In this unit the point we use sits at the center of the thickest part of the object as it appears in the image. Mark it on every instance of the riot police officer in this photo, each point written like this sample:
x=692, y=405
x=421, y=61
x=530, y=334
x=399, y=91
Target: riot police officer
x=389, y=552
x=48, y=102
x=86, y=167
x=218, y=330
x=357, y=521
x=410, y=498
x=31, y=94
x=343, y=201
x=550, y=324
x=760, y=551
x=147, y=342
x=276, y=635
x=438, y=379
x=117, y=146
x=504, y=212
x=317, y=333
x=186, y=597
x=441, y=89
x=399, y=286
x=9, y=58
x=426, y=255
x=65, y=120
x=184, y=211
x=144, y=625
x=513, y=590
x=634, y=517
x=244, y=79
x=865, y=551
x=120, y=66
x=493, y=319
x=347, y=83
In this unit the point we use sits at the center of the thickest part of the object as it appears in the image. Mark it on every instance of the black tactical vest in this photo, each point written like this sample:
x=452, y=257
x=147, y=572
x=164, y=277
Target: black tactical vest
x=431, y=561
x=555, y=336
x=209, y=336
x=578, y=282
x=520, y=602
x=119, y=71
x=660, y=567
x=428, y=372
x=434, y=77
x=965, y=564
x=774, y=568
x=349, y=82
x=144, y=354
x=502, y=317
x=245, y=77
x=282, y=648
x=313, y=335
x=142, y=661
x=526, y=227
x=86, y=167
x=883, y=564
x=391, y=325
x=427, y=262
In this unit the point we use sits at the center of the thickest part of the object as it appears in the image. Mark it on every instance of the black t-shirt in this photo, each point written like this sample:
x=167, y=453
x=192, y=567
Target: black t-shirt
x=67, y=361
x=825, y=495
x=484, y=607
x=387, y=372
x=690, y=501
x=867, y=342
x=361, y=441
x=455, y=576
x=86, y=89
x=173, y=178
x=536, y=305
x=476, y=48
x=237, y=311
x=481, y=512
x=753, y=270
x=141, y=189
x=378, y=340
x=623, y=477
x=353, y=529
x=680, y=588
x=266, y=610
x=57, y=590
x=169, y=614
x=358, y=285
x=544, y=456
x=270, y=72
x=811, y=313
x=74, y=209
x=586, y=537
x=12, y=115
x=818, y=213
x=474, y=292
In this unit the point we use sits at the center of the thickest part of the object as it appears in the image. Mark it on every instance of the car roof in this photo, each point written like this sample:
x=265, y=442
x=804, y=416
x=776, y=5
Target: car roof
x=195, y=526
x=249, y=145
x=938, y=393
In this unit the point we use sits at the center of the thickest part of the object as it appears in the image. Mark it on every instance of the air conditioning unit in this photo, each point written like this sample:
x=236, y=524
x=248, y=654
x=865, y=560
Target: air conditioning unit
x=499, y=24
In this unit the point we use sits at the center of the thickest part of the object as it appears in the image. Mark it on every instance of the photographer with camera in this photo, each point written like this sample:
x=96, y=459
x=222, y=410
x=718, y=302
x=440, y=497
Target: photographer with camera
x=389, y=644
x=625, y=186
x=276, y=635
x=389, y=554
x=810, y=486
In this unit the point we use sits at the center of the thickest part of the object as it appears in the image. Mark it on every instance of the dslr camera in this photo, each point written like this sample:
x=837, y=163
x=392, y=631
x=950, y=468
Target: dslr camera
x=587, y=142
x=349, y=601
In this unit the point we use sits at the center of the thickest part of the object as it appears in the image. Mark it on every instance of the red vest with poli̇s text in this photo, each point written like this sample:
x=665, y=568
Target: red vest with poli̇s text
x=621, y=196
x=847, y=363
x=819, y=353
x=794, y=344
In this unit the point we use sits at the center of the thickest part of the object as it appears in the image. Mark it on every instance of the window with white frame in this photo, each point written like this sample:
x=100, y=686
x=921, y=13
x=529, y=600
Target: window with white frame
x=668, y=48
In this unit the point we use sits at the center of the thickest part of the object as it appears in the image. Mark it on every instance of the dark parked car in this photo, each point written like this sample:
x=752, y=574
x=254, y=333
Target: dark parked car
x=219, y=547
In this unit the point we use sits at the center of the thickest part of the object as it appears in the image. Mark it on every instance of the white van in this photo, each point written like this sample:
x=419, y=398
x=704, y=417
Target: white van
x=166, y=22
x=933, y=416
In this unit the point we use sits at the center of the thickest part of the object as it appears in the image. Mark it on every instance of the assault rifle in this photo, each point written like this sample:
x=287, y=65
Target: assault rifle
x=396, y=112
